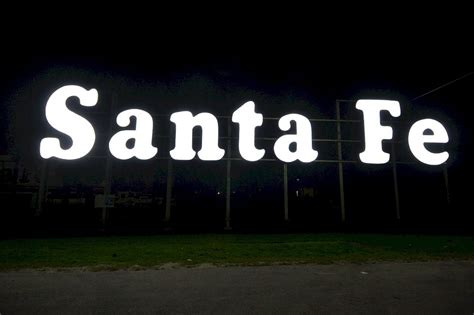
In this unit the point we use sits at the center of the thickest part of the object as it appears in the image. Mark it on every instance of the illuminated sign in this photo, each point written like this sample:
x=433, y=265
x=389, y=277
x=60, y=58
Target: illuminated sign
x=82, y=133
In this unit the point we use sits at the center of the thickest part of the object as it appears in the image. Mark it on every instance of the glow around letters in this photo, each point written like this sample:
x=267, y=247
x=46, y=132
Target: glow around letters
x=82, y=133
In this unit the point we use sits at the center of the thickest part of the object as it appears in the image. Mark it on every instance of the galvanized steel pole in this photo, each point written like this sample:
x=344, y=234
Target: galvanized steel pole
x=339, y=157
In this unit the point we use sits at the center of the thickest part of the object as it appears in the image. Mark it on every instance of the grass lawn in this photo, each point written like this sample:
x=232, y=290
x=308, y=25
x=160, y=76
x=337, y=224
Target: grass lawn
x=110, y=253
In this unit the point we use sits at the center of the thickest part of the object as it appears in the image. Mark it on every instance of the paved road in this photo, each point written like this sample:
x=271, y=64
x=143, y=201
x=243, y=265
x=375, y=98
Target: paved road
x=387, y=288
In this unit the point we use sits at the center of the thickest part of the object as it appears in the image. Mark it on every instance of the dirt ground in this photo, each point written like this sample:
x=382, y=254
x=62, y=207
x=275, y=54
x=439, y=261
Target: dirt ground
x=445, y=287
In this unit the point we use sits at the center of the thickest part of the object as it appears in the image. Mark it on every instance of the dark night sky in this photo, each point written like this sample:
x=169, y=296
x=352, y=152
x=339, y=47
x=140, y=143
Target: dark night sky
x=315, y=55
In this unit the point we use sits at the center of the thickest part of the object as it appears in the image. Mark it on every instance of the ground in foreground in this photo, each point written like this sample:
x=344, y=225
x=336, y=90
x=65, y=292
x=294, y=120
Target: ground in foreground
x=382, y=288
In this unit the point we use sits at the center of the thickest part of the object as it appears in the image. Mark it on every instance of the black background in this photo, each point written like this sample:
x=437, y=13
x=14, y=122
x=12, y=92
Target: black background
x=295, y=56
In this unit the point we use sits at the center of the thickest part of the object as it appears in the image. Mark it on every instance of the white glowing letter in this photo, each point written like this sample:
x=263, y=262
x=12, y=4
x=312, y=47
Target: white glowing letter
x=185, y=123
x=417, y=140
x=303, y=139
x=248, y=120
x=75, y=126
x=143, y=134
x=374, y=132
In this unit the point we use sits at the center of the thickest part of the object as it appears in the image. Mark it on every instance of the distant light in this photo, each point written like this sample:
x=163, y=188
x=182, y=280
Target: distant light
x=417, y=140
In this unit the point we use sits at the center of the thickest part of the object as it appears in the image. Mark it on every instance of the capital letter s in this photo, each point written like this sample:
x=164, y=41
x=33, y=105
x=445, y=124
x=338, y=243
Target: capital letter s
x=69, y=123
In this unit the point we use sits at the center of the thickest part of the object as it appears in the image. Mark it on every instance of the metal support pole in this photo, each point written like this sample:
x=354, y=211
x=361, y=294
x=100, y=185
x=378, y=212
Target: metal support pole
x=107, y=188
x=339, y=157
x=228, y=179
x=169, y=185
x=43, y=187
x=285, y=189
x=169, y=191
x=446, y=183
x=108, y=168
x=395, y=180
